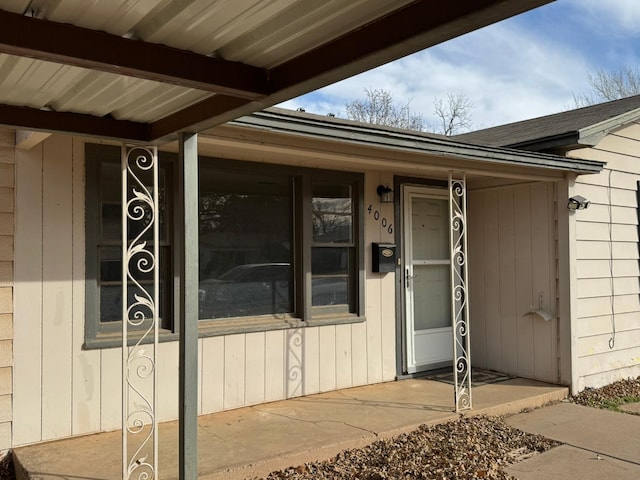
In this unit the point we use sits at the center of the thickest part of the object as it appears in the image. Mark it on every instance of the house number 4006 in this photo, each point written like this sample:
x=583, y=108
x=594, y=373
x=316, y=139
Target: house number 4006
x=383, y=220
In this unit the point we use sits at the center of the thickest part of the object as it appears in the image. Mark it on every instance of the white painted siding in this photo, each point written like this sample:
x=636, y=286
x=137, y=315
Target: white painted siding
x=64, y=390
x=511, y=266
x=607, y=265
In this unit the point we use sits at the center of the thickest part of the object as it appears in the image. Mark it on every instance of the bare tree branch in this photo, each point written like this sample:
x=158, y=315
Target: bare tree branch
x=608, y=85
x=379, y=108
x=454, y=114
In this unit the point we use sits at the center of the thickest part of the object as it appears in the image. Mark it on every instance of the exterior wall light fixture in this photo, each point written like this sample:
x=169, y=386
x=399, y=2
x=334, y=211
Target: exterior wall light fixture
x=385, y=193
x=578, y=203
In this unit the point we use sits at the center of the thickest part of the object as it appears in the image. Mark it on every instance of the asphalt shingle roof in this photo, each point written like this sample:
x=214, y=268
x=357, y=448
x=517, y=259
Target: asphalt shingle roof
x=550, y=126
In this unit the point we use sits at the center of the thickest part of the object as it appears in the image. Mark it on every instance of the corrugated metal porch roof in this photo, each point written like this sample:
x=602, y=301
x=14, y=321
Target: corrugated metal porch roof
x=145, y=69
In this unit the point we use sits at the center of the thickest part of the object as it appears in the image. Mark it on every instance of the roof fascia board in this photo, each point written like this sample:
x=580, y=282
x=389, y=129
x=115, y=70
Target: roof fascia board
x=592, y=134
x=411, y=142
x=565, y=141
x=86, y=48
x=259, y=146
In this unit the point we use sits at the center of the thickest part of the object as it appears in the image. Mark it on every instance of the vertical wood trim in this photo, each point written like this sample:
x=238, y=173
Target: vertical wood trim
x=27, y=328
x=57, y=290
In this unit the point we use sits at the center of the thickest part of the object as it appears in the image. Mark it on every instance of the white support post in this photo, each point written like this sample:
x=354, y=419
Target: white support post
x=459, y=290
x=140, y=248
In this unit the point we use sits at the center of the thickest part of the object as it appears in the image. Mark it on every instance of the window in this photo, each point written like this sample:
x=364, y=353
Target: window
x=333, y=247
x=246, y=254
x=264, y=227
x=276, y=245
x=104, y=241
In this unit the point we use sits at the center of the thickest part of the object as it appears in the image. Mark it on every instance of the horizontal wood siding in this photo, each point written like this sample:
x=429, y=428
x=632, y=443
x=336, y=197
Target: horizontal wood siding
x=608, y=290
x=62, y=390
x=511, y=267
x=7, y=176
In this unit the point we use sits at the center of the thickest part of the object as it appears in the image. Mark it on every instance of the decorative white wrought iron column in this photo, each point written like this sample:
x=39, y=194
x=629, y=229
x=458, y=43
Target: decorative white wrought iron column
x=459, y=290
x=140, y=291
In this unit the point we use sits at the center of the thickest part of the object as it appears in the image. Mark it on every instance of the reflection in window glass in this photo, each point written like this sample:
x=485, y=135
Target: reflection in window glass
x=245, y=244
x=332, y=251
x=332, y=215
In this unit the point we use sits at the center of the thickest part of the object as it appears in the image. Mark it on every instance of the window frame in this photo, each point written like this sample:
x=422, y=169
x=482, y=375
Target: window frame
x=101, y=335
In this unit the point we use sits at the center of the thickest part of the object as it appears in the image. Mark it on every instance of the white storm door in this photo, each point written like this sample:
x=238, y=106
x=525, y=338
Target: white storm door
x=427, y=279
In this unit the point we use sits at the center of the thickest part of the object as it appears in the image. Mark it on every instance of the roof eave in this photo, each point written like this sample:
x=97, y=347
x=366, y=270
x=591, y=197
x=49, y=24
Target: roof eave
x=336, y=130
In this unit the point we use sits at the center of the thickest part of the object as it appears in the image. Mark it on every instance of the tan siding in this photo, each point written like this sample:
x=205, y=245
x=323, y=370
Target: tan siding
x=311, y=360
x=512, y=261
x=212, y=376
x=56, y=289
x=274, y=365
x=372, y=286
x=27, y=411
x=86, y=393
x=344, y=367
x=6, y=295
x=475, y=217
x=66, y=390
x=608, y=272
x=327, y=344
x=359, y=353
x=254, y=365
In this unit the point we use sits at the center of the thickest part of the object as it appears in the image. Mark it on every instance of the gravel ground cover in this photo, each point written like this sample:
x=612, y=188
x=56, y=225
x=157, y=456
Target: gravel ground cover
x=469, y=448
x=611, y=396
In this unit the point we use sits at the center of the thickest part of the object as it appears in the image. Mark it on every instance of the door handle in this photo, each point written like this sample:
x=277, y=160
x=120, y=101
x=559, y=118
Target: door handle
x=408, y=277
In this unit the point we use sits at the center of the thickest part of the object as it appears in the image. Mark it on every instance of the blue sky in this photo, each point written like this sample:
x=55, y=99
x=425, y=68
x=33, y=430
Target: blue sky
x=523, y=67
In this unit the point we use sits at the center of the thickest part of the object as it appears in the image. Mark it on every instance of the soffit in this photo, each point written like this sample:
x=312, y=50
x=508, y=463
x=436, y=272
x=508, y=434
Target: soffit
x=145, y=69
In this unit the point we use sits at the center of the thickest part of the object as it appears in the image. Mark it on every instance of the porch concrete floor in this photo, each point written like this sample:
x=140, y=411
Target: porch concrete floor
x=254, y=441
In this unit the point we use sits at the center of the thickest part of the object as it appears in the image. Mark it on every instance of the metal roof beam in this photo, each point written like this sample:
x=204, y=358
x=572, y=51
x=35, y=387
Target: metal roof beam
x=77, y=123
x=82, y=47
x=419, y=25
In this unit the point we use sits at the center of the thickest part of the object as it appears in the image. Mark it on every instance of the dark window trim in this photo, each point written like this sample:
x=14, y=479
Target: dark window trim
x=108, y=336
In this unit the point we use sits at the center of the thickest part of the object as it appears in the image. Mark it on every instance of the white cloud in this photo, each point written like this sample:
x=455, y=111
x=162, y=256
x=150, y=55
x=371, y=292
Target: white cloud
x=509, y=74
x=524, y=67
x=621, y=17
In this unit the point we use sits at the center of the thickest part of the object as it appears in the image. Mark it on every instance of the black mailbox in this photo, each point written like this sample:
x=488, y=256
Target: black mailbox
x=384, y=257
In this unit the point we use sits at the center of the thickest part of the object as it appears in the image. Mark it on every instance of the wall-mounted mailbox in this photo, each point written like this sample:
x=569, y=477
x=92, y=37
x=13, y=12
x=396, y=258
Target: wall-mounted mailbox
x=384, y=257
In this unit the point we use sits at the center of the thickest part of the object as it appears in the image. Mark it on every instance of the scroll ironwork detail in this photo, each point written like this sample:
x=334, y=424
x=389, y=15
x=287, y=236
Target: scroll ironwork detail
x=140, y=291
x=459, y=291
